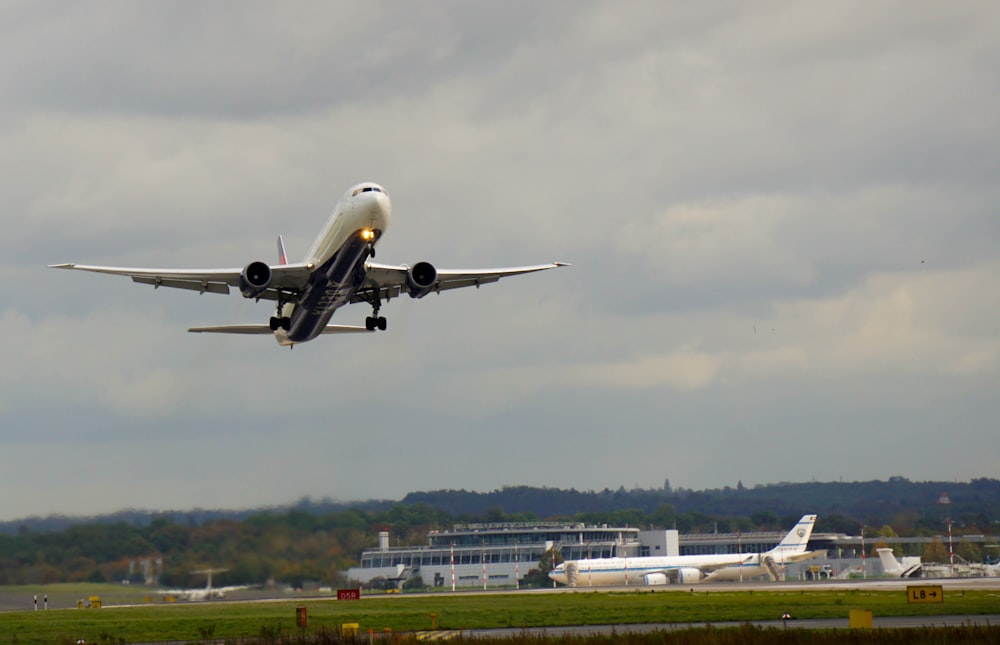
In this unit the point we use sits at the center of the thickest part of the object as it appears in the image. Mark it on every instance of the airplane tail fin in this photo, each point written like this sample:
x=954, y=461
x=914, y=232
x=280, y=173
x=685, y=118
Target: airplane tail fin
x=889, y=562
x=793, y=545
x=282, y=256
x=910, y=567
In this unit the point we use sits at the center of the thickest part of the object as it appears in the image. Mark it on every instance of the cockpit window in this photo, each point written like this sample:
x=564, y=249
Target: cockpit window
x=366, y=189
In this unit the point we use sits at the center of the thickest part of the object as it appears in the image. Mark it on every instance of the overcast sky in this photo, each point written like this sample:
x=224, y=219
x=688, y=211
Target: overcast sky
x=783, y=219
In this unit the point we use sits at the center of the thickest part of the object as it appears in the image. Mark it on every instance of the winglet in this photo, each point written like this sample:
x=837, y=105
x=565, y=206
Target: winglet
x=282, y=257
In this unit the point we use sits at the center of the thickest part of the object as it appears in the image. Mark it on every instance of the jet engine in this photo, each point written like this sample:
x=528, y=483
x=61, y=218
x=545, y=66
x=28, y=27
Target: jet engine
x=656, y=578
x=420, y=279
x=254, y=279
x=688, y=575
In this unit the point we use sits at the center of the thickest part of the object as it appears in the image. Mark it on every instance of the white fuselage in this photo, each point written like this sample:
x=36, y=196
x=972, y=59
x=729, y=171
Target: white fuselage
x=639, y=570
x=337, y=259
x=363, y=207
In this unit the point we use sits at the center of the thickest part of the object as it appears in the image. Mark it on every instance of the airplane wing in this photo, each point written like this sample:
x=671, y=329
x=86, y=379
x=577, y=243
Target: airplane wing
x=741, y=558
x=390, y=280
x=284, y=277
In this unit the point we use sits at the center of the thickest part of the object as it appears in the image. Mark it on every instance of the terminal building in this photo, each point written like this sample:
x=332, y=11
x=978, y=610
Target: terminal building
x=489, y=555
x=498, y=555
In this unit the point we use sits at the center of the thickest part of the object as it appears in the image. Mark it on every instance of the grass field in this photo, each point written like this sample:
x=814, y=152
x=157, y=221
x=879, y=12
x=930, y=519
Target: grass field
x=406, y=613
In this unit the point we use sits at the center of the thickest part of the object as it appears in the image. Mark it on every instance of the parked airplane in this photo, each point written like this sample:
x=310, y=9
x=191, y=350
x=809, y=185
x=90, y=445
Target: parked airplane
x=208, y=592
x=687, y=569
x=910, y=567
x=336, y=271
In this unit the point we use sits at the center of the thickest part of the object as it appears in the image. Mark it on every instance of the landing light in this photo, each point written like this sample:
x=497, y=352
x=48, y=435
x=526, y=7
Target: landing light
x=367, y=234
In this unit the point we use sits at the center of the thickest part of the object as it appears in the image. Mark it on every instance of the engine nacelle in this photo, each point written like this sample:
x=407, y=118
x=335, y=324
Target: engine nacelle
x=688, y=575
x=420, y=279
x=255, y=279
x=656, y=579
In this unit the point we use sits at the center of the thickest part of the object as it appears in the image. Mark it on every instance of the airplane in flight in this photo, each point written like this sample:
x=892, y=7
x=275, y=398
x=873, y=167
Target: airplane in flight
x=337, y=270
x=688, y=569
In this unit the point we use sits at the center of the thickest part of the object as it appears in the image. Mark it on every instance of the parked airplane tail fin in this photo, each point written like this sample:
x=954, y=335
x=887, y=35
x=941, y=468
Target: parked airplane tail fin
x=889, y=563
x=910, y=567
x=794, y=543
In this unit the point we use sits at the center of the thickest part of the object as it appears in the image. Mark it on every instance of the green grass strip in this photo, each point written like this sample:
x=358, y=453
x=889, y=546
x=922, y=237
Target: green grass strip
x=406, y=613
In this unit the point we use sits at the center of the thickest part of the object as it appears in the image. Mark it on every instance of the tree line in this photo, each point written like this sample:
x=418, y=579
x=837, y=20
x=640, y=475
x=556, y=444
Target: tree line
x=918, y=505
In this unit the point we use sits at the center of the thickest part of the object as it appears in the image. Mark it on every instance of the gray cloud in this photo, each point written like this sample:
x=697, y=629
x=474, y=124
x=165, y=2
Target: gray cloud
x=782, y=222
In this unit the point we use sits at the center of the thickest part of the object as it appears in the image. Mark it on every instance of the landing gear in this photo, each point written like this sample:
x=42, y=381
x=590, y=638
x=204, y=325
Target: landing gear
x=374, y=321
x=280, y=322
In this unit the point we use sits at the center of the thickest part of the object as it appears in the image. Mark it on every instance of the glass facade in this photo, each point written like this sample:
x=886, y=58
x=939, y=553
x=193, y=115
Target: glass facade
x=508, y=543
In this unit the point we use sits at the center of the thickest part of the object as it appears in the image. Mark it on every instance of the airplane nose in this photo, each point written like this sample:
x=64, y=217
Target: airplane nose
x=377, y=207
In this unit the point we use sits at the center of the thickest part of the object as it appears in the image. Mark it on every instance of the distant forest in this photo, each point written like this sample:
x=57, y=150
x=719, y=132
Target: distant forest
x=316, y=541
x=975, y=503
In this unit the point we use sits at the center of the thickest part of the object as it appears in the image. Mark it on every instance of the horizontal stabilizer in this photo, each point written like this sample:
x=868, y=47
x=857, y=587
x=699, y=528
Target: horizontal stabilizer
x=233, y=329
x=265, y=329
x=345, y=329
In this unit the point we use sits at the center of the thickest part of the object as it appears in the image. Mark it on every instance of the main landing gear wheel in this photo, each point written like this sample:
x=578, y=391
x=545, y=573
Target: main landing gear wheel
x=374, y=321
x=283, y=323
x=278, y=321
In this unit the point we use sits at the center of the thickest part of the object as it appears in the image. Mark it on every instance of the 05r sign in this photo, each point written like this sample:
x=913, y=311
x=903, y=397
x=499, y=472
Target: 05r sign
x=924, y=593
